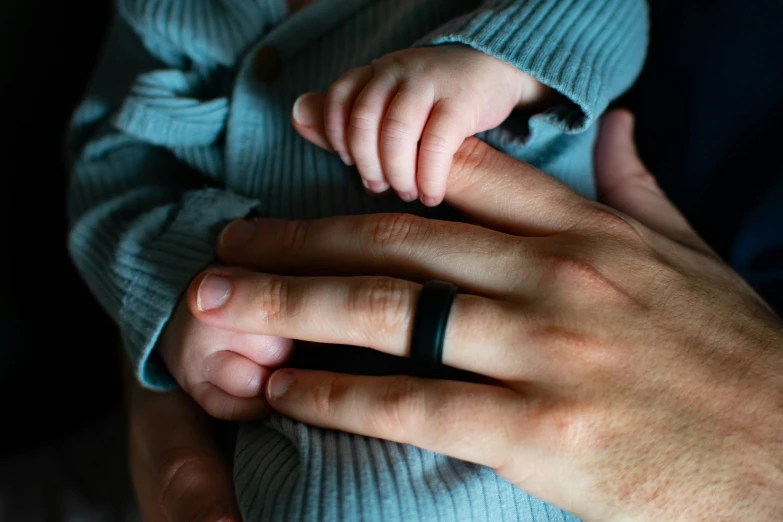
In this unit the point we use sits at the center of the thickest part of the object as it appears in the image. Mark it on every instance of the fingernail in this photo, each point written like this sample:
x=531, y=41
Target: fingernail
x=213, y=292
x=429, y=201
x=279, y=384
x=378, y=185
x=237, y=234
x=302, y=117
x=407, y=196
x=214, y=513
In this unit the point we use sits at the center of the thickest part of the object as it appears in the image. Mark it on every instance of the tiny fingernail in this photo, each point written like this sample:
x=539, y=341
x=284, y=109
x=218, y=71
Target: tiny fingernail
x=213, y=292
x=407, y=196
x=237, y=234
x=302, y=117
x=279, y=384
x=429, y=201
x=378, y=185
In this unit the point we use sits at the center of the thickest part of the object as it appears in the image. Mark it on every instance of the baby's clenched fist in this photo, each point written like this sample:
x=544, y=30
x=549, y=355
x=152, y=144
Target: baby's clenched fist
x=401, y=119
x=224, y=371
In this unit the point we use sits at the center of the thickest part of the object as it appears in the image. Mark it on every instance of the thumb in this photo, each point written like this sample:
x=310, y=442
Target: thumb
x=624, y=183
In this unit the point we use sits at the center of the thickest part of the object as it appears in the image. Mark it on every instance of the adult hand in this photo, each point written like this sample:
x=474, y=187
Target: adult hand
x=631, y=375
x=178, y=472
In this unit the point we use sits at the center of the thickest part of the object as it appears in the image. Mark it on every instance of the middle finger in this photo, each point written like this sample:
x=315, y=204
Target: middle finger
x=477, y=260
x=482, y=335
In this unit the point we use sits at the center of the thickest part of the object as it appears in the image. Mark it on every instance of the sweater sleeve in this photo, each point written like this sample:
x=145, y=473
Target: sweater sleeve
x=590, y=51
x=145, y=203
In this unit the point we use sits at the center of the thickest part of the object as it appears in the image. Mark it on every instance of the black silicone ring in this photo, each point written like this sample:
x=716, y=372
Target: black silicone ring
x=429, y=324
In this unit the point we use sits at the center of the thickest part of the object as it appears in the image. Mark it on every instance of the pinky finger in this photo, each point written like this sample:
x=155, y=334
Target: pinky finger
x=447, y=417
x=222, y=405
x=443, y=135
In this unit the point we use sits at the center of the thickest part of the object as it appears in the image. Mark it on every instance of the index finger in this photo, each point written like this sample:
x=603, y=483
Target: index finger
x=506, y=194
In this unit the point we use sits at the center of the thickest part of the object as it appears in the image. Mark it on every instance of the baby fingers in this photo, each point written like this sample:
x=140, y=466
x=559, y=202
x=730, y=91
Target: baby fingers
x=403, y=126
x=446, y=129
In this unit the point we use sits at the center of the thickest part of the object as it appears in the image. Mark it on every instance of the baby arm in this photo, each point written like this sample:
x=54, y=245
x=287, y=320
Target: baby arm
x=144, y=223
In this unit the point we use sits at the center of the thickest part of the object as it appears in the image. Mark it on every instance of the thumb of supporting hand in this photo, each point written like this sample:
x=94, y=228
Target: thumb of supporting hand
x=625, y=184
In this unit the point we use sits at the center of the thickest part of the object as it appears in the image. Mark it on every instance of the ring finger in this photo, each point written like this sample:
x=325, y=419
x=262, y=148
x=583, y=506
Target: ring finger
x=482, y=335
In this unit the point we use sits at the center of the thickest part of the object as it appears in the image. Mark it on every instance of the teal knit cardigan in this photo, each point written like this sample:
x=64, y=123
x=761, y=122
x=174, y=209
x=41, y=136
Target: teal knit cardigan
x=181, y=131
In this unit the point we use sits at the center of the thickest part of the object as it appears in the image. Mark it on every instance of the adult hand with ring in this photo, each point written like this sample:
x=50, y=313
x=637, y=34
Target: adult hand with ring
x=628, y=373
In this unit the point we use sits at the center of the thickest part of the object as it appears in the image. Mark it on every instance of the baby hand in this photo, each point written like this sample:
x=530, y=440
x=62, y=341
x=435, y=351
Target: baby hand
x=402, y=118
x=224, y=371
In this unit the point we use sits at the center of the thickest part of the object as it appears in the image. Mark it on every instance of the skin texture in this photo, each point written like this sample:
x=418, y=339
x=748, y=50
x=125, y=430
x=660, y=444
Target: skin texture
x=640, y=367
x=649, y=375
x=401, y=119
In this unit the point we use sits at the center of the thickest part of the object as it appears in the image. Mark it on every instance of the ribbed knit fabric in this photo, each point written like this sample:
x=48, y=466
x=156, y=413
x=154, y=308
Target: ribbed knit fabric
x=177, y=136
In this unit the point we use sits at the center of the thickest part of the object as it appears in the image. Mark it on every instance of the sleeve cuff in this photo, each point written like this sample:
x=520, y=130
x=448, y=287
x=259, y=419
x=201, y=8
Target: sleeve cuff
x=588, y=51
x=165, y=267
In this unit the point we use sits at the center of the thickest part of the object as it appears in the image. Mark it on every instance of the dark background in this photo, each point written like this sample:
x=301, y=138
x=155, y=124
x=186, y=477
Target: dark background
x=708, y=107
x=57, y=350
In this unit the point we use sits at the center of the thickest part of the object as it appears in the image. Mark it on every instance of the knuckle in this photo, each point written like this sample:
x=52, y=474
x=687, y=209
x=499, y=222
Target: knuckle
x=592, y=353
x=587, y=355
x=177, y=468
x=273, y=299
x=389, y=64
x=225, y=410
x=327, y=396
x=294, y=236
x=334, y=129
x=397, y=130
x=383, y=302
x=402, y=410
x=341, y=89
x=435, y=144
x=471, y=161
x=577, y=273
x=436, y=151
x=390, y=233
x=362, y=120
x=606, y=222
